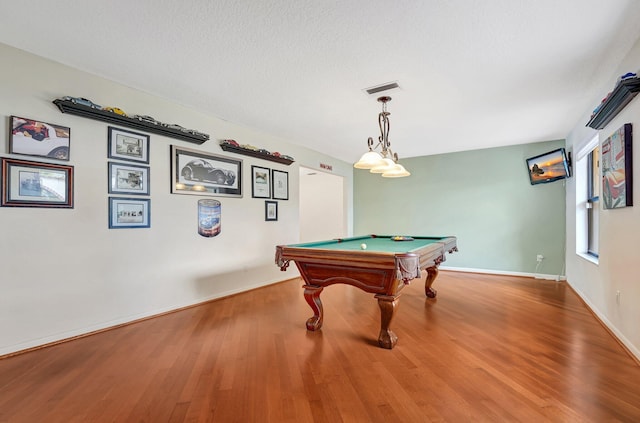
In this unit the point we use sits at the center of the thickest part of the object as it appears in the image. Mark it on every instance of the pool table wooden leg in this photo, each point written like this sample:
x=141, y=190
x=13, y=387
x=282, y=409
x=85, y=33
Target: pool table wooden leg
x=312, y=295
x=388, y=305
x=432, y=274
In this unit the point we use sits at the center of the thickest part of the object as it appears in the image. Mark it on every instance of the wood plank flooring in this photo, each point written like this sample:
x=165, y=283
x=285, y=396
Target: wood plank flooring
x=488, y=349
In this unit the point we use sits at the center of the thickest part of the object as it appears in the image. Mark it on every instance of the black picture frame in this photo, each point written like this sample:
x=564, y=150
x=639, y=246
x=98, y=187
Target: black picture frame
x=260, y=182
x=617, y=169
x=34, y=184
x=270, y=211
x=197, y=172
x=279, y=185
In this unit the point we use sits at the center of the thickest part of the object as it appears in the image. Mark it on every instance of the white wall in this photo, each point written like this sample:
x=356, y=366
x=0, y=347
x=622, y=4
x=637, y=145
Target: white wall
x=619, y=262
x=321, y=205
x=64, y=273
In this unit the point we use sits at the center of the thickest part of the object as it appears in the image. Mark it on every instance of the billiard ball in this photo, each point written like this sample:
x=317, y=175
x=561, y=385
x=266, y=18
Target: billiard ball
x=363, y=246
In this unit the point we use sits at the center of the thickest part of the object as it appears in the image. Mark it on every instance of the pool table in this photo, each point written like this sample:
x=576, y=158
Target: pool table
x=381, y=265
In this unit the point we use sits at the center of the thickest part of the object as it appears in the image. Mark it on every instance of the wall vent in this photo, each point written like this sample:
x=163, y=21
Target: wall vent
x=380, y=88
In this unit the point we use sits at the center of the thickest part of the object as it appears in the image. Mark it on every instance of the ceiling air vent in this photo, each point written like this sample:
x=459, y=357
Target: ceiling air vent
x=380, y=88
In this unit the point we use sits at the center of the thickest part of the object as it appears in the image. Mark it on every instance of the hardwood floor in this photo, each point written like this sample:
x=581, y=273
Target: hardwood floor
x=488, y=349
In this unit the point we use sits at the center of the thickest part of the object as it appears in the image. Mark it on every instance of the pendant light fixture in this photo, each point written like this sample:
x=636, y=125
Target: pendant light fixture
x=386, y=161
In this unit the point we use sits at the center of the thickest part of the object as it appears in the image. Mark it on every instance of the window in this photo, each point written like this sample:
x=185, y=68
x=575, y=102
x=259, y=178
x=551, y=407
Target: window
x=593, y=201
x=587, y=177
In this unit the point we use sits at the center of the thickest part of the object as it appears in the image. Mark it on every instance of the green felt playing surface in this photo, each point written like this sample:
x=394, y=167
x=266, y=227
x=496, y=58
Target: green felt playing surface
x=378, y=243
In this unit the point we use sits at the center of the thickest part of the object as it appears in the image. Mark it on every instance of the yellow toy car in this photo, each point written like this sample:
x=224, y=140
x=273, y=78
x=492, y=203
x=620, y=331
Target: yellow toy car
x=115, y=110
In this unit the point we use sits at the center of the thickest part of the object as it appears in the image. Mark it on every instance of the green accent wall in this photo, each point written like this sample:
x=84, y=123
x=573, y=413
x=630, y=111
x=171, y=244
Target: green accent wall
x=483, y=197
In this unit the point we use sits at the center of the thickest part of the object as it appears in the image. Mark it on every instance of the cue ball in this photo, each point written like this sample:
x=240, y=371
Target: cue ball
x=363, y=246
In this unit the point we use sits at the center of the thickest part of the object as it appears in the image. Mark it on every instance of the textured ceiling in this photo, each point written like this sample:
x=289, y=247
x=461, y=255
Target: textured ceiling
x=473, y=73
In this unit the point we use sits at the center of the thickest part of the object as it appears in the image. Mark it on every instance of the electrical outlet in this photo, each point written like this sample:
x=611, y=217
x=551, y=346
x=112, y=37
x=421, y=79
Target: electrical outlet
x=618, y=297
x=539, y=257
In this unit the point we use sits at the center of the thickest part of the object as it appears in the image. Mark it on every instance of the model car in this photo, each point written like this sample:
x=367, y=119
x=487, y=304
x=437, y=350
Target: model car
x=198, y=133
x=174, y=126
x=231, y=142
x=82, y=101
x=145, y=118
x=201, y=170
x=115, y=110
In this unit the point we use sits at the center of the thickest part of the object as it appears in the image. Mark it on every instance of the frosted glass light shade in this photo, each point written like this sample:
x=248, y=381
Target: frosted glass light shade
x=387, y=164
x=368, y=160
x=398, y=171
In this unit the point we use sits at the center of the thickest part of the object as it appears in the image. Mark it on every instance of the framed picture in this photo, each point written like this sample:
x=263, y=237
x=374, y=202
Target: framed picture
x=617, y=170
x=34, y=138
x=129, y=213
x=260, y=182
x=33, y=184
x=280, y=184
x=270, y=210
x=201, y=173
x=128, y=179
x=127, y=145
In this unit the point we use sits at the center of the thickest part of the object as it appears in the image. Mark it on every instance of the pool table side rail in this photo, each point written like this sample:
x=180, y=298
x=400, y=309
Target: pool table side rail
x=338, y=241
x=407, y=265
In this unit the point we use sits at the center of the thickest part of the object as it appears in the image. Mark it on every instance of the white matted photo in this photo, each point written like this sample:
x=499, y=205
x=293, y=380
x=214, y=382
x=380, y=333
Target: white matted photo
x=201, y=173
x=280, y=185
x=34, y=184
x=260, y=182
x=270, y=210
x=128, y=179
x=128, y=145
x=129, y=213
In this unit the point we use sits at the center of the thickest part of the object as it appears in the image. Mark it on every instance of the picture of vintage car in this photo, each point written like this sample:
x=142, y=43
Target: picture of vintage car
x=201, y=170
x=35, y=138
x=129, y=179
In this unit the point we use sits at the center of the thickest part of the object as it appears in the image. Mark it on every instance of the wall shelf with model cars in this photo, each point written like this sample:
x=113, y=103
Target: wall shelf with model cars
x=142, y=123
x=613, y=104
x=233, y=147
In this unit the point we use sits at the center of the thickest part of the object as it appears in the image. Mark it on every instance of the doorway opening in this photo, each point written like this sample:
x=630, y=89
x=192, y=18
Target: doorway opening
x=322, y=214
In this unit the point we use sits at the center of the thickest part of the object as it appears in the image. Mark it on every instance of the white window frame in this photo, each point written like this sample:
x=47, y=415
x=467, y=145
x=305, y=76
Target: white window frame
x=582, y=201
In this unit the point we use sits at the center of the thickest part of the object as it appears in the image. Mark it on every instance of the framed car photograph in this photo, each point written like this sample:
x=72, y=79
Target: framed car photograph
x=128, y=145
x=201, y=173
x=270, y=210
x=34, y=184
x=35, y=138
x=128, y=179
x=129, y=213
x=260, y=182
x=280, y=185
